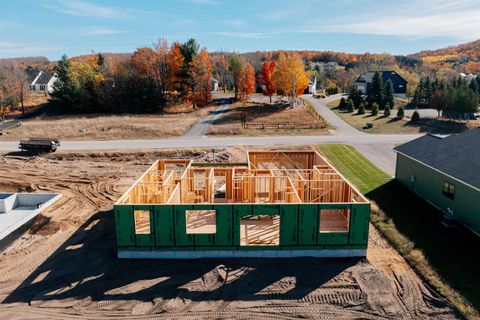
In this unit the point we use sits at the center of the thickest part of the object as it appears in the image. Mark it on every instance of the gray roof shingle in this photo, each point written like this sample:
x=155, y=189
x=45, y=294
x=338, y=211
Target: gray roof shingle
x=457, y=155
x=44, y=77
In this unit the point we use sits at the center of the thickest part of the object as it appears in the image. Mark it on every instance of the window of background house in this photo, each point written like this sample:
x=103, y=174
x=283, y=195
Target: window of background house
x=142, y=221
x=448, y=190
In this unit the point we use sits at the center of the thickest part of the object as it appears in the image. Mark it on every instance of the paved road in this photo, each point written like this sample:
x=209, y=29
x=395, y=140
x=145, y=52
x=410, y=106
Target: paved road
x=376, y=148
x=221, y=142
x=380, y=154
x=201, y=128
x=8, y=124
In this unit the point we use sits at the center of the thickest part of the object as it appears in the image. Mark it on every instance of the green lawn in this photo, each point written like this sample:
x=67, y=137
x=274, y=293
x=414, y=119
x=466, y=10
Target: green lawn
x=357, y=169
x=448, y=260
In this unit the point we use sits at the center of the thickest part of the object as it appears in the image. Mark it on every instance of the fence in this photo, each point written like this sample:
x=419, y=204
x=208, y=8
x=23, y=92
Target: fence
x=264, y=126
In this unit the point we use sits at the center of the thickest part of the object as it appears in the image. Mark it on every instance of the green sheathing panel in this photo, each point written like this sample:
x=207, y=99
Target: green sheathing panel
x=239, y=210
x=182, y=239
x=205, y=240
x=288, y=225
x=307, y=224
x=299, y=227
x=124, y=226
x=146, y=240
x=359, y=222
x=429, y=183
x=225, y=226
x=265, y=209
x=164, y=226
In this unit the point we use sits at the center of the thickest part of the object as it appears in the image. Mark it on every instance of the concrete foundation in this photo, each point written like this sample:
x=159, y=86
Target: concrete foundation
x=17, y=211
x=340, y=253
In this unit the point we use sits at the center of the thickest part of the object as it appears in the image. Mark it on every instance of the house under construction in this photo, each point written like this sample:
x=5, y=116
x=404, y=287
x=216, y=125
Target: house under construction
x=277, y=204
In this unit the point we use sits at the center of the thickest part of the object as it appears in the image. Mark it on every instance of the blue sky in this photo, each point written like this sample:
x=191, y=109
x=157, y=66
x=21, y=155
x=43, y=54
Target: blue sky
x=54, y=27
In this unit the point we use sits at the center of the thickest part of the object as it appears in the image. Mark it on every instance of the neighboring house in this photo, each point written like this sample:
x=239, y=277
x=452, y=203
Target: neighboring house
x=321, y=67
x=312, y=86
x=399, y=84
x=445, y=172
x=43, y=82
x=215, y=83
x=468, y=77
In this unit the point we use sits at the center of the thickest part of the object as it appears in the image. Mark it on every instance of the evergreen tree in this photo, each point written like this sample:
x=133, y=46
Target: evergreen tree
x=415, y=116
x=350, y=106
x=361, y=108
x=473, y=85
x=377, y=89
x=389, y=98
x=374, y=109
x=427, y=93
x=401, y=112
x=343, y=104
x=356, y=97
x=386, y=111
x=417, y=96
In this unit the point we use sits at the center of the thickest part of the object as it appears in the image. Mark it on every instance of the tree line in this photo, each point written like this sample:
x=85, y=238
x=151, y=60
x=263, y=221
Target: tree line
x=458, y=98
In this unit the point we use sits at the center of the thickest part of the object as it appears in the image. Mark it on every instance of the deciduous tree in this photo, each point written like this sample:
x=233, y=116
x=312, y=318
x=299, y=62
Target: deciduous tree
x=247, y=80
x=289, y=77
x=236, y=68
x=268, y=68
x=202, y=71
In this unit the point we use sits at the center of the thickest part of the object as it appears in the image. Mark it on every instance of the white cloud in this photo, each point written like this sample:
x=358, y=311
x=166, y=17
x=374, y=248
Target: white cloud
x=20, y=49
x=204, y=1
x=95, y=31
x=250, y=35
x=234, y=22
x=86, y=9
x=416, y=19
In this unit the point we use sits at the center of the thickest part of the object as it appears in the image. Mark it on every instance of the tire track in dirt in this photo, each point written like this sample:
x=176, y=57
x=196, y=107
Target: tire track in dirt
x=84, y=280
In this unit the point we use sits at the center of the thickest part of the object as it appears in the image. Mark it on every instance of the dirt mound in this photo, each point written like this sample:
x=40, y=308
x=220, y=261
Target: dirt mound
x=43, y=226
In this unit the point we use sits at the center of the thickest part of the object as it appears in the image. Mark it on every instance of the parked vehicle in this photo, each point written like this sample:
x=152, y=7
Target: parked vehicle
x=37, y=144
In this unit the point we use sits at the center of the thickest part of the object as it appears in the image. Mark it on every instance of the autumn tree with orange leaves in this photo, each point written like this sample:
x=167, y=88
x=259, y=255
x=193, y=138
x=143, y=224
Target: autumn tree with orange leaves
x=265, y=79
x=202, y=72
x=289, y=77
x=247, y=80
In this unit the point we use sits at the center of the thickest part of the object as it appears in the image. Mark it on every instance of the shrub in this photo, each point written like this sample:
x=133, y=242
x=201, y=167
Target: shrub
x=415, y=116
x=343, y=104
x=386, y=112
x=374, y=109
x=361, y=109
x=401, y=112
x=350, y=106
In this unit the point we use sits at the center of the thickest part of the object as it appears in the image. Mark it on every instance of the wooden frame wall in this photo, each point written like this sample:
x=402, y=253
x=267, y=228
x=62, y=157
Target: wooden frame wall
x=271, y=177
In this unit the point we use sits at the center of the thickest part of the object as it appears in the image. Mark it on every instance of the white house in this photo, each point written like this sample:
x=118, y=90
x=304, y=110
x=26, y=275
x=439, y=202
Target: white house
x=215, y=83
x=312, y=86
x=43, y=82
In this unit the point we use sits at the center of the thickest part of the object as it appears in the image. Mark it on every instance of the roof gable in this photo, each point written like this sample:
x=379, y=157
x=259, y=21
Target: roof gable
x=386, y=75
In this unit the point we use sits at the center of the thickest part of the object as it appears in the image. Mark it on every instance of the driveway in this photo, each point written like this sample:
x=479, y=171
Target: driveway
x=320, y=105
x=380, y=154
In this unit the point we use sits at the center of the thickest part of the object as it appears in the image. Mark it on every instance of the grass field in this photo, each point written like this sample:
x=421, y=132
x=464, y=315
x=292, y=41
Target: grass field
x=448, y=260
x=389, y=125
x=174, y=122
x=267, y=114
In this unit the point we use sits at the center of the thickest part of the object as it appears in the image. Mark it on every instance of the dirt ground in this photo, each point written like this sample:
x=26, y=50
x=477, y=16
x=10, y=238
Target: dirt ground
x=65, y=267
x=110, y=127
x=278, y=118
